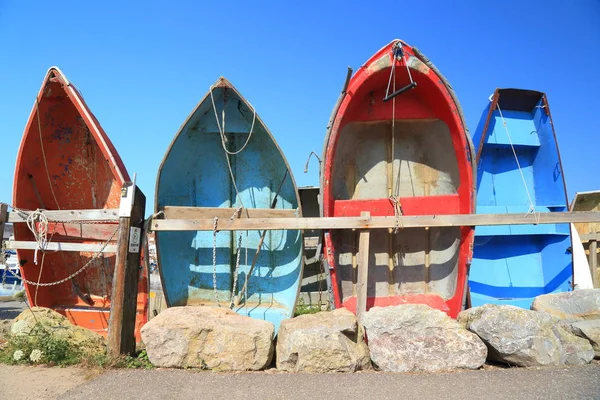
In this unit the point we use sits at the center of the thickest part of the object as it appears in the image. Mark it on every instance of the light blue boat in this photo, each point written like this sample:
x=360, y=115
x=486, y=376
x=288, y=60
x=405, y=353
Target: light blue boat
x=519, y=171
x=222, y=159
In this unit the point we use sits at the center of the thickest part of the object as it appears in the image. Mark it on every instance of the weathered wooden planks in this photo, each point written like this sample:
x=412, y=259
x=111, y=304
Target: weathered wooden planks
x=417, y=221
x=107, y=214
x=121, y=327
x=58, y=246
x=363, y=270
x=173, y=212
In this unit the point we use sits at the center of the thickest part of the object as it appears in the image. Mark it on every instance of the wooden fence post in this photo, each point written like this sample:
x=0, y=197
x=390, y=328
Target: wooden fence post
x=363, y=270
x=121, y=326
x=3, y=219
x=593, y=259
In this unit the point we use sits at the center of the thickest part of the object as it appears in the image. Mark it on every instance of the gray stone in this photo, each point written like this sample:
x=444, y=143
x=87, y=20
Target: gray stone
x=576, y=305
x=589, y=330
x=525, y=338
x=322, y=342
x=210, y=338
x=5, y=325
x=415, y=337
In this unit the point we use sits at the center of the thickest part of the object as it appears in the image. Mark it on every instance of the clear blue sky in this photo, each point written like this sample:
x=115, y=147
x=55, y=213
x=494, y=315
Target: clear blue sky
x=142, y=66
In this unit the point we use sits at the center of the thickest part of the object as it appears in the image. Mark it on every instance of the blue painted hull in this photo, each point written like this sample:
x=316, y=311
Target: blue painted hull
x=195, y=173
x=514, y=264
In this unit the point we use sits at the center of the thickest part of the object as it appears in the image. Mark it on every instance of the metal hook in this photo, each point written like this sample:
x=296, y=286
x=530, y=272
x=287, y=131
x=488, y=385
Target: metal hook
x=308, y=160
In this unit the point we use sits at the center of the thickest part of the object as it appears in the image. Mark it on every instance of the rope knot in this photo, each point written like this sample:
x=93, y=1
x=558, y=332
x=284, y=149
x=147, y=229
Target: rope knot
x=395, y=200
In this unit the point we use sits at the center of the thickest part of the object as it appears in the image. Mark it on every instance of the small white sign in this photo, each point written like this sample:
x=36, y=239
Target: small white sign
x=135, y=236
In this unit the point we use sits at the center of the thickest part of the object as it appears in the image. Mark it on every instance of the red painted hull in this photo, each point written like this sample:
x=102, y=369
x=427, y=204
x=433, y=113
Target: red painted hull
x=66, y=161
x=416, y=149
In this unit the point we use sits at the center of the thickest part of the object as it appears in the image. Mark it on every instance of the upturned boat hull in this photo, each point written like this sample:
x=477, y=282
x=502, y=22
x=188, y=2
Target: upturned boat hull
x=67, y=162
x=224, y=157
x=519, y=170
x=406, y=155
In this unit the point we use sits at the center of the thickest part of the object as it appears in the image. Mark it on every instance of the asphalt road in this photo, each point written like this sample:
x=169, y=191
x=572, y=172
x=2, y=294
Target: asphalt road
x=580, y=382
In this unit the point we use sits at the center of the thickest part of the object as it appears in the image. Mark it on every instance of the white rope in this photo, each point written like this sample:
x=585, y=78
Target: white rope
x=37, y=222
x=222, y=129
x=227, y=153
x=531, y=205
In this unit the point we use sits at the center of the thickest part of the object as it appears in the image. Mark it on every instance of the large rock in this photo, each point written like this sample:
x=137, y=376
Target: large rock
x=322, y=342
x=525, y=338
x=415, y=337
x=589, y=330
x=576, y=305
x=206, y=337
x=57, y=325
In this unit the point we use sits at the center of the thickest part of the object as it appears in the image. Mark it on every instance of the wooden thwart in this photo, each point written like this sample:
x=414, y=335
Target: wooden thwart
x=172, y=212
x=417, y=221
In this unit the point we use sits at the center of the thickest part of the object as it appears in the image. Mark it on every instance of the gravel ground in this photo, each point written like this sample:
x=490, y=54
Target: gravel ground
x=581, y=382
x=24, y=382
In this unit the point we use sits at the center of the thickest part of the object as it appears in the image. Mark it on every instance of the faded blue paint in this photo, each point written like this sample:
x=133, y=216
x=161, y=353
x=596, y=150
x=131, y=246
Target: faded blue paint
x=513, y=264
x=195, y=173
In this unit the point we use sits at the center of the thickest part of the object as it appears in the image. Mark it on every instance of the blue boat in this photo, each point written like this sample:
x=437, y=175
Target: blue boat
x=519, y=171
x=10, y=281
x=224, y=163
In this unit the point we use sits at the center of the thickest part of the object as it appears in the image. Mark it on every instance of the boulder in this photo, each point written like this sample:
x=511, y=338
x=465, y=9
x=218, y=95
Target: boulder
x=525, y=338
x=576, y=305
x=57, y=325
x=5, y=325
x=208, y=338
x=327, y=341
x=416, y=337
x=589, y=330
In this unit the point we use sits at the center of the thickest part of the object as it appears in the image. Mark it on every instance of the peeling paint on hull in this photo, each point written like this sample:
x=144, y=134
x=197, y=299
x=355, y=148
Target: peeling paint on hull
x=66, y=161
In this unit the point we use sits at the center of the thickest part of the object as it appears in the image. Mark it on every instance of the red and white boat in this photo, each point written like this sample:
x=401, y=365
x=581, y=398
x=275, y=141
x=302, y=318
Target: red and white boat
x=398, y=145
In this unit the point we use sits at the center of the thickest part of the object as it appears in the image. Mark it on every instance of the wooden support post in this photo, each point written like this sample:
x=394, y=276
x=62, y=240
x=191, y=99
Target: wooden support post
x=593, y=258
x=363, y=270
x=121, y=326
x=3, y=218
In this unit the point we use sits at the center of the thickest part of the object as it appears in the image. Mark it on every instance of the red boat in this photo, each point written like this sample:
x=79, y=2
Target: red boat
x=398, y=145
x=66, y=162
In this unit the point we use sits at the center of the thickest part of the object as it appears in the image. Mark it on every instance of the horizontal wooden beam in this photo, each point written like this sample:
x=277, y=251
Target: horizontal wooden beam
x=416, y=221
x=590, y=236
x=107, y=214
x=57, y=246
x=172, y=212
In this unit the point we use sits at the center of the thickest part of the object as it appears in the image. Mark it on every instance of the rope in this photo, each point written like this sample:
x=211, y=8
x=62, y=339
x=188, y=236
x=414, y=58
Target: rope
x=227, y=152
x=235, y=274
x=94, y=258
x=395, y=197
x=531, y=205
x=37, y=110
x=237, y=261
x=222, y=131
x=37, y=222
x=397, y=213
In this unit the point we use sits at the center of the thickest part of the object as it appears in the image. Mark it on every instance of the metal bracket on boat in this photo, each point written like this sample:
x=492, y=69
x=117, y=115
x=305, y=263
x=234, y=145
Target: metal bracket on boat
x=399, y=55
x=127, y=198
